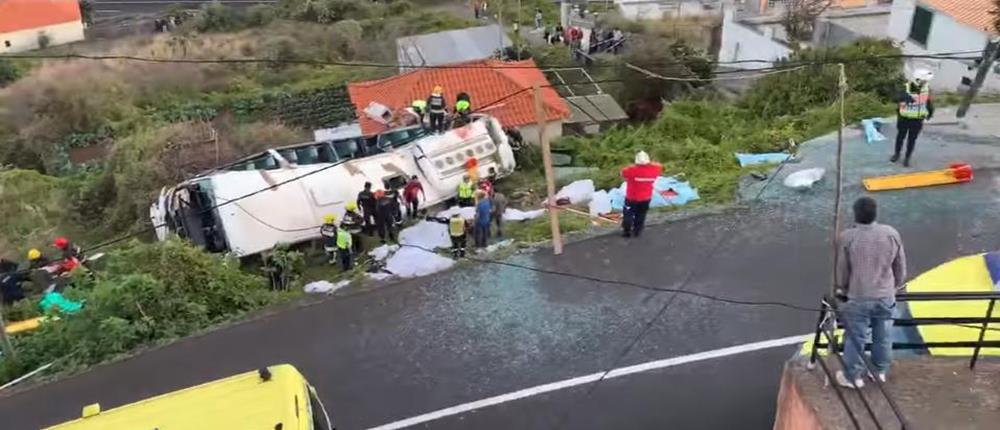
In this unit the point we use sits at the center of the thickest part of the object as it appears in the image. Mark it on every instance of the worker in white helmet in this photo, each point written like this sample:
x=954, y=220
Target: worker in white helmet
x=639, y=180
x=914, y=107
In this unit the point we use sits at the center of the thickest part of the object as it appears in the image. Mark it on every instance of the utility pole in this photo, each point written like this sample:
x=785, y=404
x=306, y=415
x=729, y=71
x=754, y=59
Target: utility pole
x=989, y=55
x=8, y=348
x=550, y=182
x=840, y=178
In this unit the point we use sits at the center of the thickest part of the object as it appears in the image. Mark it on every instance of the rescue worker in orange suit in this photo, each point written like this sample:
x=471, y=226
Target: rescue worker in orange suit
x=639, y=180
x=436, y=108
x=914, y=107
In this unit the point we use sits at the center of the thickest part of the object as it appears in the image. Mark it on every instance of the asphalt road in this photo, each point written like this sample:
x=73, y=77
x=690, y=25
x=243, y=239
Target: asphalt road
x=104, y=8
x=484, y=330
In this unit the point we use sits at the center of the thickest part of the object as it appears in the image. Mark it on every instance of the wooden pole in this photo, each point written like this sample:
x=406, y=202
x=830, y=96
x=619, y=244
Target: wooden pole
x=985, y=64
x=840, y=178
x=550, y=182
x=8, y=348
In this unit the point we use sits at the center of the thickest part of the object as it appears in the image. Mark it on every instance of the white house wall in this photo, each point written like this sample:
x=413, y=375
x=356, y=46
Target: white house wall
x=946, y=35
x=530, y=132
x=741, y=43
x=26, y=40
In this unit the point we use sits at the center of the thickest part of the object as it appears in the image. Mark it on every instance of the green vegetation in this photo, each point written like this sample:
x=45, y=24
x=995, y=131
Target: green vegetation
x=8, y=72
x=147, y=293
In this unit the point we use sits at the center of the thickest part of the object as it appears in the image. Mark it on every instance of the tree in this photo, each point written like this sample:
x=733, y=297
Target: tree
x=800, y=17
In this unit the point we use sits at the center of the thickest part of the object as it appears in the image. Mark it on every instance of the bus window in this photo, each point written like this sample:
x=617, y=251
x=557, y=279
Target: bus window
x=267, y=162
x=346, y=149
x=394, y=182
x=325, y=153
x=289, y=155
x=307, y=155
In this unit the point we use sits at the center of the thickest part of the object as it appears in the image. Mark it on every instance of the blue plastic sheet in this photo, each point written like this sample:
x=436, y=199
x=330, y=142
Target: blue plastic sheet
x=766, y=158
x=871, y=126
x=667, y=191
x=993, y=266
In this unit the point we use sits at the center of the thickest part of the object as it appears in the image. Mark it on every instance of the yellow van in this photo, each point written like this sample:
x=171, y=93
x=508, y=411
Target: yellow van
x=272, y=398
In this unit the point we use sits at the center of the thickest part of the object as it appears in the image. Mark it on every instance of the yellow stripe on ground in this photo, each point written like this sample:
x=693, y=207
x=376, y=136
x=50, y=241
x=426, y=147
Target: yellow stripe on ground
x=965, y=274
x=910, y=180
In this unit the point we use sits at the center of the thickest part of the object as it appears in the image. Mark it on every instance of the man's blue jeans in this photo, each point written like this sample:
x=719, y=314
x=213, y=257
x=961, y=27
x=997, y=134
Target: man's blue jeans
x=859, y=315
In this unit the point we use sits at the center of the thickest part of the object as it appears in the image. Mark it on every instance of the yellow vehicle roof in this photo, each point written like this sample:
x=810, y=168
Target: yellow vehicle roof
x=244, y=401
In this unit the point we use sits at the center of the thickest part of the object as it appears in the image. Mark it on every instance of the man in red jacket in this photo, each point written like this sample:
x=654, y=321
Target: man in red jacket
x=411, y=194
x=639, y=179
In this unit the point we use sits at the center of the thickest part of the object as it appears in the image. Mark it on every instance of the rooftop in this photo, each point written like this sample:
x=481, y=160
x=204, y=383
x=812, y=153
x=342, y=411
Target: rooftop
x=16, y=15
x=974, y=13
x=453, y=46
x=503, y=87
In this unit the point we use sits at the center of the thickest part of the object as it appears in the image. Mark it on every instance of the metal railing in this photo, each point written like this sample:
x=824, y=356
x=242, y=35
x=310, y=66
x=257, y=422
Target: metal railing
x=826, y=338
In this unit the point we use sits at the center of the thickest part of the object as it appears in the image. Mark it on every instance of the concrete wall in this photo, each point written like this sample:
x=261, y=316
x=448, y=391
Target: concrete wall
x=834, y=30
x=793, y=412
x=657, y=9
x=26, y=40
x=553, y=130
x=946, y=35
x=741, y=42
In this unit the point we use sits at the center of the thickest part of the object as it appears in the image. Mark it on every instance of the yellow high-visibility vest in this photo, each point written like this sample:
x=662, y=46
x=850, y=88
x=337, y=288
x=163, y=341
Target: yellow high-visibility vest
x=456, y=226
x=344, y=240
x=465, y=190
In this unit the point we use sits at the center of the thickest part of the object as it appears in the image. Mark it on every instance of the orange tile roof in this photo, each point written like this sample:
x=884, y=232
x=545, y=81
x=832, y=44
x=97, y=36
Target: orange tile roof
x=974, y=13
x=495, y=80
x=18, y=15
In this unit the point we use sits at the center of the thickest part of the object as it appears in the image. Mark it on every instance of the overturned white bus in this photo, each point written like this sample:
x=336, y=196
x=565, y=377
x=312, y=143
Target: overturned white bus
x=202, y=211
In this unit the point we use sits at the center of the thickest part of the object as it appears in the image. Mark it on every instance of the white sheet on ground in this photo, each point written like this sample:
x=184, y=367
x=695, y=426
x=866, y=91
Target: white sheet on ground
x=426, y=234
x=411, y=262
x=325, y=287
x=600, y=203
x=512, y=214
x=382, y=252
x=577, y=191
x=804, y=179
x=502, y=244
x=467, y=212
x=378, y=276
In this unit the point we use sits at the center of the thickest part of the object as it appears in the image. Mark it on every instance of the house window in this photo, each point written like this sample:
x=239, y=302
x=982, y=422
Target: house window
x=920, y=27
x=6, y=43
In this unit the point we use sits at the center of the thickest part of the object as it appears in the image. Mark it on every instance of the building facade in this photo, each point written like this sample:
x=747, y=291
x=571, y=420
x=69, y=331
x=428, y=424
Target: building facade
x=32, y=24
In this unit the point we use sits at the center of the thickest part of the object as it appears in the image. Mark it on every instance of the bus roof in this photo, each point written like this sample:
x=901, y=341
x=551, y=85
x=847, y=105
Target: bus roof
x=243, y=401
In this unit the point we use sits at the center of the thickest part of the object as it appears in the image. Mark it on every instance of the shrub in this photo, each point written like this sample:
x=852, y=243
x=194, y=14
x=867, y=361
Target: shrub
x=146, y=293
x=216, y=17
x=795, y=92
x=8, y=72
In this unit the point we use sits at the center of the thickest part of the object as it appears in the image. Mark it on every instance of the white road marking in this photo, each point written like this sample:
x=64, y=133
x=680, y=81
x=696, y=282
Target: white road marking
x=586, y=379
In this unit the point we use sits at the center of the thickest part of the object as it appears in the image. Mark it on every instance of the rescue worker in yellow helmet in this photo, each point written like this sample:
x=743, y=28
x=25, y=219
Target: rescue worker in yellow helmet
x=345, y=243
x=328, y=231
x=36, y=260
x=457, y=228
x=436, y=108
x=915, y=106
x=354, y=223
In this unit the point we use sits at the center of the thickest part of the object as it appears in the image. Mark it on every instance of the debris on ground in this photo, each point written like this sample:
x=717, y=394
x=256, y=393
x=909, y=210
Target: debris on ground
x=765, y=158
x=510, y=214
x=494, y=247
x=667, y=191
x=871, y=126
x=804, y=179
x=410, y=262
x=325, y=287
x=378, y=276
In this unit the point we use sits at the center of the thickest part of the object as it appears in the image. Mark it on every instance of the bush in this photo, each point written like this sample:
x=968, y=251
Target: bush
x=8, y=72
x=795, y=92
x=216, y=17
x=146, y=293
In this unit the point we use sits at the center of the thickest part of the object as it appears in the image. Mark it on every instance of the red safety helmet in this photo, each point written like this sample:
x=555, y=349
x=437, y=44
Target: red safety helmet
x=61, y=243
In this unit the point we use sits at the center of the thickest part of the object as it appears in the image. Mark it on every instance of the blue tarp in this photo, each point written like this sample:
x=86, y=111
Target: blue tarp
x=993, y=266
x=766, y=158
x=871, y=126
x=63, y=305
x=667, y=190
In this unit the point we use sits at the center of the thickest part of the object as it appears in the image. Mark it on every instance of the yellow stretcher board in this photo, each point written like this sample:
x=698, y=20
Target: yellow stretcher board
x=955, y=174
x=22, y=326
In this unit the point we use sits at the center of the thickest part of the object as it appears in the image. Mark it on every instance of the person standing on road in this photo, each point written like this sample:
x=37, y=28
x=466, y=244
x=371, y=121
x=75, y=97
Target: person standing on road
x=639, y=180
x=871, y=265
x=915, y=106
x=499, y=206
x=481, y=229
x=411, y=194
x=366, y=199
